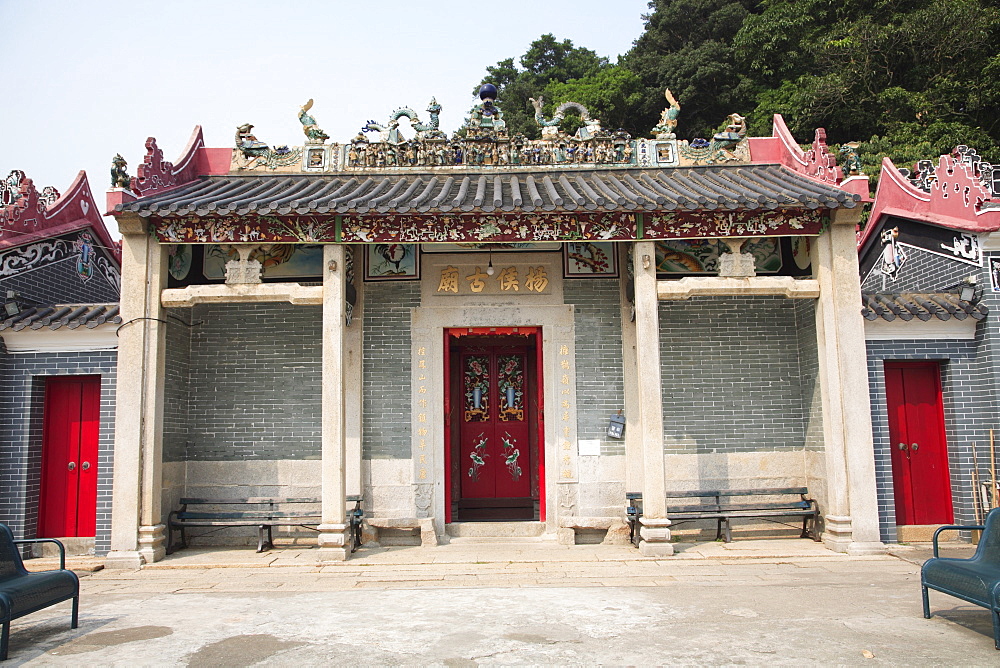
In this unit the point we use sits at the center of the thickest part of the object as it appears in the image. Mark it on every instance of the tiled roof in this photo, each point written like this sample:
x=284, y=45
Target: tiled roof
x=70, y=316
x=747, y=187
x=919, y=305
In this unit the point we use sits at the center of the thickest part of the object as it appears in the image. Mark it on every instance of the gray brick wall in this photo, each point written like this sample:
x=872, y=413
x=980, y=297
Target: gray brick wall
x=58, y=283
x=731, y=375
x=22, y=394
x=177, y=389
x=386, y=367
x=969, y=412
x=254, y=382
x=922, y=272
x=808, y=349
x=600, y=382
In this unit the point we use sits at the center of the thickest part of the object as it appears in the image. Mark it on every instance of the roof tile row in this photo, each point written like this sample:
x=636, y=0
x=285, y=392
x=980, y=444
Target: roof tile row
x=920, y=305
x=70, y=316
x=749, y=187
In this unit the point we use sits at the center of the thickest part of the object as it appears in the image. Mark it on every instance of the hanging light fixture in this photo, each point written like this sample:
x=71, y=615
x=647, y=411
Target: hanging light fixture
x=489, y=268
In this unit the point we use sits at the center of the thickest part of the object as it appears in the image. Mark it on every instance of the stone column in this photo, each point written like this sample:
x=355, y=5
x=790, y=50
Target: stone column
x=655, y=531
x=353, y=346
x=334, y=541
x=633, y=434
x=137, y=530
x=851, y=512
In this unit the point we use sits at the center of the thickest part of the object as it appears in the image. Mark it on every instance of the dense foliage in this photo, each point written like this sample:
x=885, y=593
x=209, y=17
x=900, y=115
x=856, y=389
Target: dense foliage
x=908, y=78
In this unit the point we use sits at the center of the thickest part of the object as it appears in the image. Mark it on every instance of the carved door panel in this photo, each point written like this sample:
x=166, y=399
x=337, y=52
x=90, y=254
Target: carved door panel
x=494, y=451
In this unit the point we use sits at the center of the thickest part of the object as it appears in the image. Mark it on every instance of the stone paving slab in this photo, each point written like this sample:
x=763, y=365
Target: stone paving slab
x=781, y=615
x=559, y=605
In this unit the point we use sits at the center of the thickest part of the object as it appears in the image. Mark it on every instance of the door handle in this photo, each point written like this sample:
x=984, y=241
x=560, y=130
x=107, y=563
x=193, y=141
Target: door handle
x=914, y=447
x=902, y=446
x=85, y=466
x=72, y=466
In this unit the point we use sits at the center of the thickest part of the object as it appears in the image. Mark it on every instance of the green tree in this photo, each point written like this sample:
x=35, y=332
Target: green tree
x=687, y=46
x=612, y=95
x=901, y=76
x=546, y=60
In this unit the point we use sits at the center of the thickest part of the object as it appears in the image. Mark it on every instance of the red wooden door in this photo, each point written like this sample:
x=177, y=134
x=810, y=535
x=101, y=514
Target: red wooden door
x=68, y=495
x=920, y=477
x=495, y=452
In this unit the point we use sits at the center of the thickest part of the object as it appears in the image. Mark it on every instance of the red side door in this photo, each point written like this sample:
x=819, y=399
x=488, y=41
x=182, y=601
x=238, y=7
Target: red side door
x=68, y=495
x=921, y=481
x=495, y=452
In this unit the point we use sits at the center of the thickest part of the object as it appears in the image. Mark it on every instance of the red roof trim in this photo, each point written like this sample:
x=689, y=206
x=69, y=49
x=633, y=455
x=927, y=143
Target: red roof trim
x=955, y=200
x=28, y=219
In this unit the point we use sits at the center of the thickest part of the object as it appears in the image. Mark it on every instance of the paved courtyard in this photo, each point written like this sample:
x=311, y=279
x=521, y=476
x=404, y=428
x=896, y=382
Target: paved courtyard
x=773, y=602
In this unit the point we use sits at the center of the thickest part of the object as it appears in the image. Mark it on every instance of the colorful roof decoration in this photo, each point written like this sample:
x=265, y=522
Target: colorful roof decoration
x=27, y=215
x=482, y=184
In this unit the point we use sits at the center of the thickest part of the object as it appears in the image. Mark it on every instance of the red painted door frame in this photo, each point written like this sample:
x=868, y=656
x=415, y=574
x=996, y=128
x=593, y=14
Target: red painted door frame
x=71, y=424
x=452, y=409
x=918, y=443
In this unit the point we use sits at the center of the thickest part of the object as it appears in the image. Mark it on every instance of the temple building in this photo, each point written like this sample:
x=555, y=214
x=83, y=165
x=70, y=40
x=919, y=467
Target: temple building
x=488, y=332
x=930, y=273
x=59, y=280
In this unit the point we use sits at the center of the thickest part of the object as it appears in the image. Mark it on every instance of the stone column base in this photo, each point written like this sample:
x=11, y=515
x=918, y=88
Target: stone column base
x=838, y=534
x=152, y=542
x=123, y=559
x=655, y=534
x=428, y=536
x=860, y=549
x=334, y=542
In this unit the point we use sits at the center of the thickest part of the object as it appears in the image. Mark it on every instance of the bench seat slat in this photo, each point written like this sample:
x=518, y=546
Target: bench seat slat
x=740, y=514
x=208, y=522
x=242, y=516
x=775, y=491
x=248, y=500
x=803, y=505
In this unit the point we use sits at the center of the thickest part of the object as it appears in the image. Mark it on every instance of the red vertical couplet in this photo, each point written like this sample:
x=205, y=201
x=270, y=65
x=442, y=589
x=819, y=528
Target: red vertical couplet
x=71, y=426
x=921, y=482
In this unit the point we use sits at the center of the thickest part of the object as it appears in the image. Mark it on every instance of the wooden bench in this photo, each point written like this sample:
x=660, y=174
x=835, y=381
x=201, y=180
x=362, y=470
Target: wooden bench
x=262, y=512
x=725, y=505
x=976, y=579
x=22, y=592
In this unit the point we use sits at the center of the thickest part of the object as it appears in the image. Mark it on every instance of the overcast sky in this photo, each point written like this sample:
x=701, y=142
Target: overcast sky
x=85, y=80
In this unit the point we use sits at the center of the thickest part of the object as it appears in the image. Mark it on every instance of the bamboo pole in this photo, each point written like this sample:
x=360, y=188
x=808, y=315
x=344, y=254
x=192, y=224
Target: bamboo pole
x=993, y=473
x=977, y=506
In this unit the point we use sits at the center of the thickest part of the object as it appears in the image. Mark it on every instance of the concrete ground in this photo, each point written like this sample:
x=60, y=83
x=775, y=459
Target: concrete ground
x=756, y=602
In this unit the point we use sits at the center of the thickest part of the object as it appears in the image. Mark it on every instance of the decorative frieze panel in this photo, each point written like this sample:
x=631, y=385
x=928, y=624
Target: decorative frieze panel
x=711, y=224
x=490, y=228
